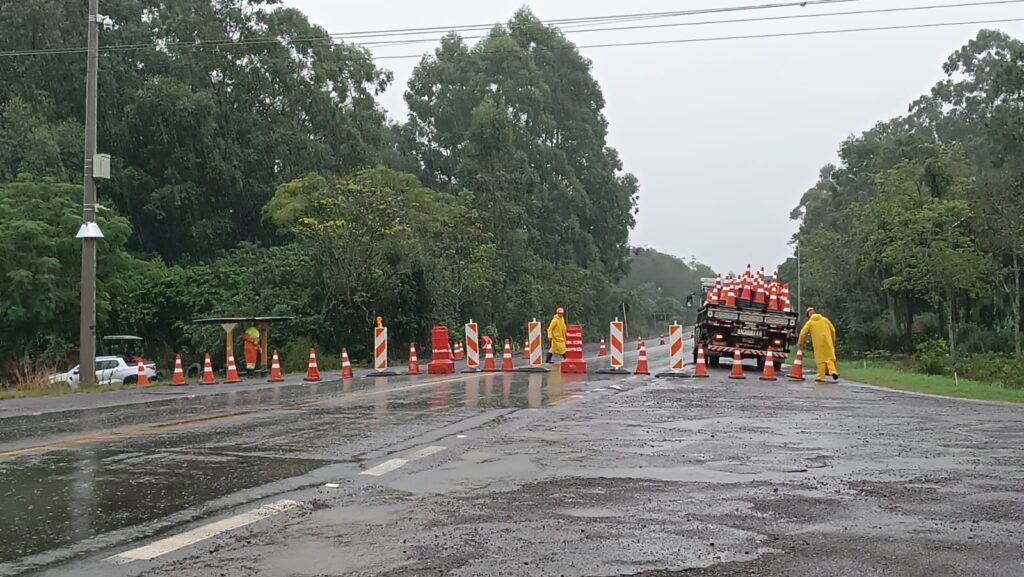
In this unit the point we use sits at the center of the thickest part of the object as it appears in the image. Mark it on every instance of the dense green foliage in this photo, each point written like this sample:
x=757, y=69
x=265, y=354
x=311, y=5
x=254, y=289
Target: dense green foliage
x=660, y=284
x=918, y=234
x=261, y=177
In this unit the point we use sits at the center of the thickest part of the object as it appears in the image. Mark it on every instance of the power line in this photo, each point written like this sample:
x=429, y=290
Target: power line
x=731, y=21
x=744, y=37
x=426, y=30
x=392, y=43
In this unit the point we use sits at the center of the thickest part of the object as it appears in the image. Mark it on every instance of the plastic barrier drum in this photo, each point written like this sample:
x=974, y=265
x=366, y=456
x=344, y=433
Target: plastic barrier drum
x=616, y=343
x=574, y=363
x=440, y=361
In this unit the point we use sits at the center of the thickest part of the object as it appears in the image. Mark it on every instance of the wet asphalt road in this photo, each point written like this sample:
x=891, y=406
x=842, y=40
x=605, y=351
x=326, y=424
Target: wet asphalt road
x=515, y=474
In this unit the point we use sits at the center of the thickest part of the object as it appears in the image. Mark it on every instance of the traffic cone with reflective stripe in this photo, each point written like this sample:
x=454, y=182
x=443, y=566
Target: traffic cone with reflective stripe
x=346, y=365
x=761, y=297
x=730, y=294
x=526, y=349
x=773, y=300
x=458, y=353
x=208, y=371
x=414, y=362
x=796, y=372
x=700, y=367
x=312, y=371
x=737, y=366
x=506, y=357
x=639, y=343
x=143, y=379
x=489, y=365
x=275, y=369
x=768, y=374
x=662, y=343
x=602, y=351
x=178, y=379
x=641, y=362
x=232, y=376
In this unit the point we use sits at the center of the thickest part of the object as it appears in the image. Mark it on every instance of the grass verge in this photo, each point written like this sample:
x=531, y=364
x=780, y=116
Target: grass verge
x=891, y=377
x=56, y=390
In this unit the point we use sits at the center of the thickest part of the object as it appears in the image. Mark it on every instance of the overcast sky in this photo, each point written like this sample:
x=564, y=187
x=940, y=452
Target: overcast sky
x=724, y=136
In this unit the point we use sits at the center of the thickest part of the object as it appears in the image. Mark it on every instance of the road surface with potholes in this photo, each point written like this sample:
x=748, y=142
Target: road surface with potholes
x=514, y=474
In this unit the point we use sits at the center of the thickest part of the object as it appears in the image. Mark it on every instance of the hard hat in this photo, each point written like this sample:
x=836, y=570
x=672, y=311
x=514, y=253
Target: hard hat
x=809, y=311
x=560, y=311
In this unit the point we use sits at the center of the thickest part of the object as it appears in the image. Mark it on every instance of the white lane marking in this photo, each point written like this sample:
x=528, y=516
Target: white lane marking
x=332, y=485
x=392, y=464
x=165, y=546
x=461, y=436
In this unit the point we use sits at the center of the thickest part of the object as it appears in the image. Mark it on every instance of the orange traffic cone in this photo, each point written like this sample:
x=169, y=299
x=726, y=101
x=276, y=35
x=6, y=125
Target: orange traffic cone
x=459, y=354
x=747, y=294
x=700, y=368
x=208, y=371
x=489, y=366
x=414, y=362
x=313, y=371
x=179, y=373
x=796, y=372
x=768, y=374
x=639, y=343
x=346, y=365
x=603, y=350
x=232, y=376
x=773, y=300
x=143, y=380
x=506, y=358
x=761, y=296
x=662, y=339
x=526, y=349
x=730, y=295
x=275, y=369
x=641, y=362
x=737, y=366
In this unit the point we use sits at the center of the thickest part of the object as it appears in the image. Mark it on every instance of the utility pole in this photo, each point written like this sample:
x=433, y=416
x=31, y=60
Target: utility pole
x=799, y=309
x=90, y=232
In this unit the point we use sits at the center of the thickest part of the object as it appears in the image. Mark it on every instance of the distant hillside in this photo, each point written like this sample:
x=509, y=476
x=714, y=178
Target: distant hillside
x=658, y=283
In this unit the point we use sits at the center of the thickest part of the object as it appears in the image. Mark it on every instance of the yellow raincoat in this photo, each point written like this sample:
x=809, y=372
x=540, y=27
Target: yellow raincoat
x=823, y=340
x=556, y=334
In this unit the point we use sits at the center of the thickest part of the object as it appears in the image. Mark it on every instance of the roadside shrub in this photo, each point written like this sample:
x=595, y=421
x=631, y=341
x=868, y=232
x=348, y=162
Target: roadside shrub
x=972, y=339
x=993, y=368
x=878, y=356
x=932, y=358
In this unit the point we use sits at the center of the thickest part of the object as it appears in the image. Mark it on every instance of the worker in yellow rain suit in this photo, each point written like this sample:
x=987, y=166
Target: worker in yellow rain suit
x=556, y=334
x=823, y=340
x=251, y=339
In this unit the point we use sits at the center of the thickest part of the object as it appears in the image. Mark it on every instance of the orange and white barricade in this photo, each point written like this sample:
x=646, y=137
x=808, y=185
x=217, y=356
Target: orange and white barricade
x=677, y=362
x=615, y=346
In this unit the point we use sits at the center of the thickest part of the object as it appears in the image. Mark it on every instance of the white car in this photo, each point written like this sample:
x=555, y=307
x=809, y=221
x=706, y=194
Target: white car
x=109, y=370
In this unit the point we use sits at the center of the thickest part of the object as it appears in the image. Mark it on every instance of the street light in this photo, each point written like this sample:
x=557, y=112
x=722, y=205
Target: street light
x=96, y=166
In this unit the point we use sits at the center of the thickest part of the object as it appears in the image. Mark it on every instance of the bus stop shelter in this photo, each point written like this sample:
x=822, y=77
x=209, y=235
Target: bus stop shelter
x=231, y=324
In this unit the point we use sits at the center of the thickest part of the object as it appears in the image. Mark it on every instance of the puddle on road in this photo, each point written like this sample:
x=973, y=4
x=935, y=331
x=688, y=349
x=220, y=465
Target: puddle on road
x=60, y=498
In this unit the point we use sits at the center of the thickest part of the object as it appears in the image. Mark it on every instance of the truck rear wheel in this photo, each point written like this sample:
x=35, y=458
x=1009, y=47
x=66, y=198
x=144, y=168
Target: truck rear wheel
x=760, y=363
x=778, y=365
x=714, y=360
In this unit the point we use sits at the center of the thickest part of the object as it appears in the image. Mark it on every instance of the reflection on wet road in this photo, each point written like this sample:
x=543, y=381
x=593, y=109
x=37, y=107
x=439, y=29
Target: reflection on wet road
x=178, y=453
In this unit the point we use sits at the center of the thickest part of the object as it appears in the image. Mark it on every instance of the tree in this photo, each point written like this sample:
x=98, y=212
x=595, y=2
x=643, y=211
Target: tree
x=40, y=265
x=518, y=120
x=199, y=136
